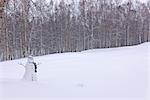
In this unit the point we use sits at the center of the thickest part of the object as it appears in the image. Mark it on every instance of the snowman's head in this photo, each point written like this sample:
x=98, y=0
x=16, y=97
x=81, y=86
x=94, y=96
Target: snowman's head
x=30, y=59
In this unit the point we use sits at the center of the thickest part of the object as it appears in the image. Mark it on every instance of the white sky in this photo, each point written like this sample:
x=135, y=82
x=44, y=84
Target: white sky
x=78, y=0
x=144, y=0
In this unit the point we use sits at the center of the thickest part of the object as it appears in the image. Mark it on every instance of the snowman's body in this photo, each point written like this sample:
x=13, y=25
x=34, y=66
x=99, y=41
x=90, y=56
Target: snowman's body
x=30, y=71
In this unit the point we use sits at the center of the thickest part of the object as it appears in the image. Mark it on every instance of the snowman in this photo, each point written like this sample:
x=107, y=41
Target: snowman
x=30, y=70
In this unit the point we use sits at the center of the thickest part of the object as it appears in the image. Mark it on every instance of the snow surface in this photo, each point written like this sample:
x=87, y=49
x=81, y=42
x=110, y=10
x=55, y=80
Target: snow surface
x=100, y=74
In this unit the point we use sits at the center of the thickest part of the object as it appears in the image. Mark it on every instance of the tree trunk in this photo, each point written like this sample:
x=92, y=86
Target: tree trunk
x=3, y=38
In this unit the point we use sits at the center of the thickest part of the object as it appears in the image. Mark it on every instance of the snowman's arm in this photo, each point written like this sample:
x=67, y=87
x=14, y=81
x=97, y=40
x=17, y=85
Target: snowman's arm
x=21, y=64
x=38, y=63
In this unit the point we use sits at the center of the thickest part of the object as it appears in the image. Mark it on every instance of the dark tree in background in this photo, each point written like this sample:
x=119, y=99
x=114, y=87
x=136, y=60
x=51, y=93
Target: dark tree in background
x=41, y=27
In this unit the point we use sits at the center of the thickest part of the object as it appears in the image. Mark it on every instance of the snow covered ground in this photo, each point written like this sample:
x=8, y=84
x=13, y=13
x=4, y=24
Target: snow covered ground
x=100, y=74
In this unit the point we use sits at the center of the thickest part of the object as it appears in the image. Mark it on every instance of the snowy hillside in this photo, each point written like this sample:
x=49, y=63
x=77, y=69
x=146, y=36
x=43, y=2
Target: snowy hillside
x=102, y=74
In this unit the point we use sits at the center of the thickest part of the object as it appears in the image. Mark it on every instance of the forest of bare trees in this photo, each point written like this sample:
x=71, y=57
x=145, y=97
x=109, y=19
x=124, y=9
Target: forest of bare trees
x=40, y=27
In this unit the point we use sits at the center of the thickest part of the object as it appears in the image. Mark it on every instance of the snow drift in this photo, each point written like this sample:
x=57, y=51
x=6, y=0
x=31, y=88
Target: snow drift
x=100, y=74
